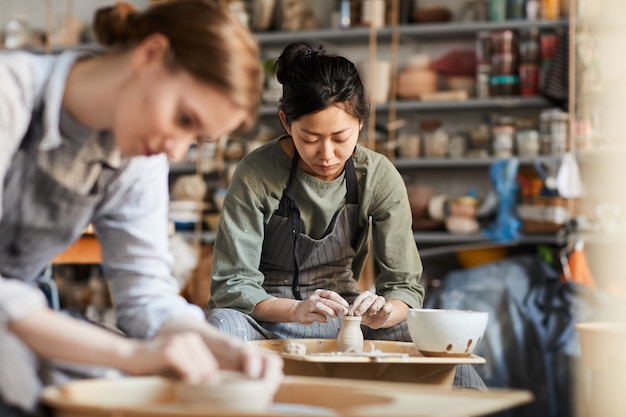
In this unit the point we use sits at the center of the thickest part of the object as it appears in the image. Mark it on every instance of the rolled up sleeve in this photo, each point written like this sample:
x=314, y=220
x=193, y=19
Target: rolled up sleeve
x=17, y=300
x=132, y=230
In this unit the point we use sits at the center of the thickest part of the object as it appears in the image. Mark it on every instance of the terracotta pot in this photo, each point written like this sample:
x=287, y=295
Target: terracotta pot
x=419, y=196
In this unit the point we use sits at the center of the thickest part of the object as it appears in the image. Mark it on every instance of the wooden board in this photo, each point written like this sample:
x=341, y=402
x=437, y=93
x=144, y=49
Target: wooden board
x=323, y=350
x=414, y=367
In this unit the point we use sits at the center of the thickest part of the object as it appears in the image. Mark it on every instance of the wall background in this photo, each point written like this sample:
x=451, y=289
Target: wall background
x=34, y=11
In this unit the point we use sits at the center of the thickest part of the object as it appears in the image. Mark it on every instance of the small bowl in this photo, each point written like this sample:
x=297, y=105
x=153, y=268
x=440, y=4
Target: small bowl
x=446, y=333
x=230, y=391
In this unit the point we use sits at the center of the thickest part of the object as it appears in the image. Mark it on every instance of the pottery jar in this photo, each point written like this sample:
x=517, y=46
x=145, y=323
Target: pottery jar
x=350, y=336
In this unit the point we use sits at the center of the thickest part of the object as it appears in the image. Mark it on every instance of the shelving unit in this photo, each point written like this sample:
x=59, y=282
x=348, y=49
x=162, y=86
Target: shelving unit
x=493, y=103
x=432, y=32
x=405, y=163
x=448, y=238
x=426, y=31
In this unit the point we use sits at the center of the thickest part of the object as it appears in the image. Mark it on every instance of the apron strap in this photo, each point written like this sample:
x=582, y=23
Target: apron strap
x=352, y=191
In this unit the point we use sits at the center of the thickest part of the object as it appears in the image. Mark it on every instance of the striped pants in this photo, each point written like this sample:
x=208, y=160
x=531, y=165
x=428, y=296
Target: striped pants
x=244, y=327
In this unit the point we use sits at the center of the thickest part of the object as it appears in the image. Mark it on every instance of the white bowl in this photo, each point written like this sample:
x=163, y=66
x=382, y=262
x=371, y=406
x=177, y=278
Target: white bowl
x=230, y=390
x=451, y=333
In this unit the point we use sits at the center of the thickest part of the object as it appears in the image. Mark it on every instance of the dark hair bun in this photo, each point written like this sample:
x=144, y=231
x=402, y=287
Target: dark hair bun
x=113, y=25
x=293, y=55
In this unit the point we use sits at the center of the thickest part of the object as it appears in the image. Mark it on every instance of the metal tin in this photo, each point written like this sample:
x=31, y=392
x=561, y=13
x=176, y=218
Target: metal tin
x=483, y=47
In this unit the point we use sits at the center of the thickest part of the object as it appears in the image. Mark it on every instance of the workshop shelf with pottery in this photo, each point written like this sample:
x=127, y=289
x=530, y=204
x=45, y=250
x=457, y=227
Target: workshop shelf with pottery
x=416, y=60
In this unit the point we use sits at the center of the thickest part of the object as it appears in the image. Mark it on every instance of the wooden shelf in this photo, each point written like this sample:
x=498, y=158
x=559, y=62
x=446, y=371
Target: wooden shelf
x=476, y=104
x=414, y=163
x=445, y=238
x=427, y=31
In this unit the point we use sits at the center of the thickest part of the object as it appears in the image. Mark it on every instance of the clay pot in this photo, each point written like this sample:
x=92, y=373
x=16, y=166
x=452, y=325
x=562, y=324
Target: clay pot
x=350, y=336
x=419, y=196
x=413, y=82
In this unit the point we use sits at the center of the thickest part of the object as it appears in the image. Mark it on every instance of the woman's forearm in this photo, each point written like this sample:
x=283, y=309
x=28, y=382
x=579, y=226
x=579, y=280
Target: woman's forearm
x=399, y=314
x=54, y=335
x=275, y=310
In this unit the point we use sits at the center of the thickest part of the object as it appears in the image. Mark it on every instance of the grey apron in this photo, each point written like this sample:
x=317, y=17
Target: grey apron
x=40, y=219
x=294, y=264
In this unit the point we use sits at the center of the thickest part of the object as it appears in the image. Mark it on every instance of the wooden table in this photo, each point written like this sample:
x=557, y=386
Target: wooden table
x=155, y=396
x=86, y=250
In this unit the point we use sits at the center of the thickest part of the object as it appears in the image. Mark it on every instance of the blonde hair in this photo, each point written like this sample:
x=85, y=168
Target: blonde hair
x=205, y=39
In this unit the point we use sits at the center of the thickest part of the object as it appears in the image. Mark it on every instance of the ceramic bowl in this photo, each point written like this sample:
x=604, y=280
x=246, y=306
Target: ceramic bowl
x=446, y=333
x=230, y=390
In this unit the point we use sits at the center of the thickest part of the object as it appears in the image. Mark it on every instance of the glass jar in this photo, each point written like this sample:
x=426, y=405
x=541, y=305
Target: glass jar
x=503, y=141
x=436, y=140
x=527, y=143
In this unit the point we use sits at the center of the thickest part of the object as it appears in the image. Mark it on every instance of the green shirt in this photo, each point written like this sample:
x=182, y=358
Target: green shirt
x=253, y=195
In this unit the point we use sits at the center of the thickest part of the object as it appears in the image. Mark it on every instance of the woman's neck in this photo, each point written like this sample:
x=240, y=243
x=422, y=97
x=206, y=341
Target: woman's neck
x=91, y=87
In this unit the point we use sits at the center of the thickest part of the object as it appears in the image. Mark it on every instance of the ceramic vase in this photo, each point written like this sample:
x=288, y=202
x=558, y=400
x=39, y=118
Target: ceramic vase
x=350, y=336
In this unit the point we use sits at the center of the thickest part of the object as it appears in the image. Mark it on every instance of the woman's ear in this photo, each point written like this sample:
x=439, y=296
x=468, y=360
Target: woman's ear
x=283, y=120
x=154, y=49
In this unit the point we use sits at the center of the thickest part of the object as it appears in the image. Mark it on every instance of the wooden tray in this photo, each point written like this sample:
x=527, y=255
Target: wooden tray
x=156, y=397
x=402, y=361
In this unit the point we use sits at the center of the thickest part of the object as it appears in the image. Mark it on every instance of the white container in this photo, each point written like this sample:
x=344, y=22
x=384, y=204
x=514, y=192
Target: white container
x=503, y=141
x=436, y=143
x=409, y=145
x=447, y=333
x=602, y=345
x=378, y=80
x=527, y=143
x=373, y=13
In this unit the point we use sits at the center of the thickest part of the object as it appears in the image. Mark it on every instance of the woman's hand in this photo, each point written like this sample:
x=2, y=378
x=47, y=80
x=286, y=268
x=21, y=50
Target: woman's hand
x=374, y=309
x=181, y=355
x=187, y=357
x=259, y=364
x=318, y=306
x=229, y=352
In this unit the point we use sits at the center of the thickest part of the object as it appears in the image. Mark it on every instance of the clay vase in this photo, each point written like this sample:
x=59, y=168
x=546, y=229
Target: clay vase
x=350, y=336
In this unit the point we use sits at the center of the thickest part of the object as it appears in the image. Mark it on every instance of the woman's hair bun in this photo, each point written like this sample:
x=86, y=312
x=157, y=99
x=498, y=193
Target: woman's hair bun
x=293, y=54
x=114, y=25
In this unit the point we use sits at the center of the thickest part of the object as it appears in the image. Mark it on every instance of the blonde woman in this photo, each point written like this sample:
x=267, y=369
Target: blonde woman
x=85, y=137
